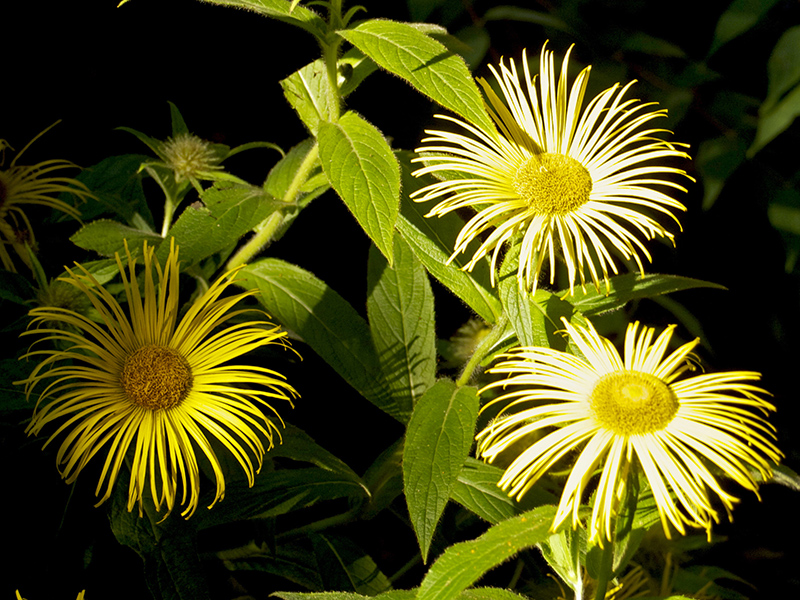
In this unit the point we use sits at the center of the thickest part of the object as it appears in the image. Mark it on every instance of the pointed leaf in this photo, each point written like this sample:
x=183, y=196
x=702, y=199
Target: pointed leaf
x=306, y=305
x=528, y=322
x=630, y=286
x=433, y=240
x=424, y=63
x=107, y=237
x=463, y=564
x=364, y=172
x=300, y=16
x=476, y=489
x=228, y=212
x=740, y=16
x=438, y=439
x=400, y=310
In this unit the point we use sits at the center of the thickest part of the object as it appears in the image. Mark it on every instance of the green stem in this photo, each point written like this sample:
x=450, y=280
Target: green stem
x=169, y=210
x=330, y=55
x=606, y=565
x=483, y=350
x=269, y=226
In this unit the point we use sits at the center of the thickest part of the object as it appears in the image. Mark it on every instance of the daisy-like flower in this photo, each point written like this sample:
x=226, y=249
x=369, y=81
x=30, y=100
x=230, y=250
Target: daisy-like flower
x=570, y=180
x=629, y=413
x=22, y=185
x=153, y=389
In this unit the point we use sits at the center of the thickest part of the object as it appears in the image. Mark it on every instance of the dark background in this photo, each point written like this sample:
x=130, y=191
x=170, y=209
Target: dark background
x=98, y=67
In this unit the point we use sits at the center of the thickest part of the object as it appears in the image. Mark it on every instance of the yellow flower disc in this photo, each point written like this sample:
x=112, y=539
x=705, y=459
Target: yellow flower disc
x=630, y=403
x=553, y=184
x=156, y=377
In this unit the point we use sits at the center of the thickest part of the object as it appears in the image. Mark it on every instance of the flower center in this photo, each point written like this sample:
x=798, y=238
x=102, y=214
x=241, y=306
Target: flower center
x=156, y=377
x=553, y=184
x=630, y=403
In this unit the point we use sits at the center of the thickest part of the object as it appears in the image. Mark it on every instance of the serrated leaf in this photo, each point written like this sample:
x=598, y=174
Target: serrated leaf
x=463, y=564
x=281, y=10
x=308, y=90
x=306, y=305
x=362, y=169
x=476, y=489
x=630, y=286
x=400, y=310
x=424, y=63
x=432, y=240
x=438, y=439
x=108, y=237
x=228, y=212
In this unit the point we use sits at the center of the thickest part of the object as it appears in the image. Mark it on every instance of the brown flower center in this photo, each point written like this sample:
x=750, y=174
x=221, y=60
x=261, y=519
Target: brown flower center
x=629, y=403
x=156, y=377
x=553, y=184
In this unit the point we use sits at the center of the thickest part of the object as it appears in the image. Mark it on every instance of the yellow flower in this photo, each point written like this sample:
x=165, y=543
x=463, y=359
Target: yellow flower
x=151, y=388
x=80, y=595
x=27, y=185
x=628, y=413
x=569, y=179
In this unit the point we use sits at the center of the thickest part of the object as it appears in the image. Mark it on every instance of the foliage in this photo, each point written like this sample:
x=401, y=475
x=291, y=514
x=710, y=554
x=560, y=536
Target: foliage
x=373, y=491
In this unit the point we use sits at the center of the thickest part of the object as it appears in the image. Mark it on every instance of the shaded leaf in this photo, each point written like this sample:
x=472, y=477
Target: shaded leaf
x=438, y=439
x=740, y=16
x=400, y=310
x=306, y=305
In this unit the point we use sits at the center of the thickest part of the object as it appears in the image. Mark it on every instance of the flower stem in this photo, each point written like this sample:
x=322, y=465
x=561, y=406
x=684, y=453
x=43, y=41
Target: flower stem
x=265, y=230
x=483, y=350
x=606, y=565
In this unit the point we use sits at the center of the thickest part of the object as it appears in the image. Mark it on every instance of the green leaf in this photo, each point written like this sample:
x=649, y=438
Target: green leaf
x=716, y=161
x=562, y=551
x=630, y=286
x=117, y=186
x=438, y=439
x=400, y=310
x=528, y=322
x=424, y=63
x=364, y=172
x=323, y=319
x=308, y=90
x=476, y=489
x=345, y=566
x=293, y=560
x=740, y=16
x=281, y=492
x=384, y=479
x=108, y=237
x=463, y=564
x=281, y=10
x=433, y=240
x=773, y=121
x=172, y=569
x=525, y=15
x=228, y=213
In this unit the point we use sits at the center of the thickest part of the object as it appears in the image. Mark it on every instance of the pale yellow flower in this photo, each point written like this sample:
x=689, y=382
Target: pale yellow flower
x=152, y=388
x=570, y=180
x=628, y=413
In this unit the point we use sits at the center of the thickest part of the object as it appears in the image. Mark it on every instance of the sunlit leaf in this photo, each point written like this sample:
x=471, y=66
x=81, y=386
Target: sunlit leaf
x=364, y=172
